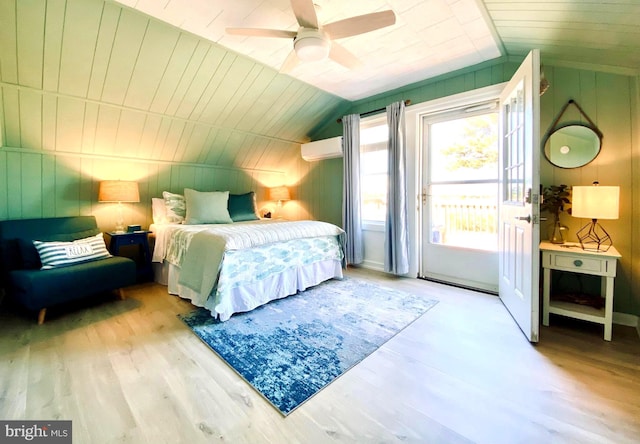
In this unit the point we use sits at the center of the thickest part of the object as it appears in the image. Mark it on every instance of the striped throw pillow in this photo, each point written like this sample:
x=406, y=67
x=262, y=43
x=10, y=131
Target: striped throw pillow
x=62, y=254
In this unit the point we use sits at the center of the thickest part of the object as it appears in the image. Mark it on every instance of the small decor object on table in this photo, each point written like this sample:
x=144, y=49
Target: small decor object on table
x=139, y=238
x=554, y=200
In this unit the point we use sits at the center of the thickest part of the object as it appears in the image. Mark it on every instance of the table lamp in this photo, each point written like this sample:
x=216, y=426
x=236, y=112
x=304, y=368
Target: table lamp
x=118, y=191
x=279, y=194
x=595, y=202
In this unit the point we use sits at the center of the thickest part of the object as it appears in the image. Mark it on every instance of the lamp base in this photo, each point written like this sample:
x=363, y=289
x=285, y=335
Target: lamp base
x=594, y=238
x=119, y=228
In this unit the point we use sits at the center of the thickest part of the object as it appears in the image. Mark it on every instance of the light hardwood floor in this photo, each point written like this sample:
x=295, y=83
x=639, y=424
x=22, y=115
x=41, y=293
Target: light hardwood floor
x=130, y=371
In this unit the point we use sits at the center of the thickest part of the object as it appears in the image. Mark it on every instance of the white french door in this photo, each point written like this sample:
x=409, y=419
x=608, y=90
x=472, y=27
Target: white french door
x=516, y=264
x=519, y=228
x=460, y=192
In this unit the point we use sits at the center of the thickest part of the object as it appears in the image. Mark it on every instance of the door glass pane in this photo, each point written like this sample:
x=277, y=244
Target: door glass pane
x=465, y=215
x=514, y=149
x=463, y=171
x=464, y=149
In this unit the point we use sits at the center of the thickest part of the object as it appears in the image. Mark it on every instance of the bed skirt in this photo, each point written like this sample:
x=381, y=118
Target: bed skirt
x=247, y=297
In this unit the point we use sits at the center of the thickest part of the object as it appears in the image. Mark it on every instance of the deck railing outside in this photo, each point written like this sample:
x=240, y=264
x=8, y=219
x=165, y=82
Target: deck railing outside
x=469, y=223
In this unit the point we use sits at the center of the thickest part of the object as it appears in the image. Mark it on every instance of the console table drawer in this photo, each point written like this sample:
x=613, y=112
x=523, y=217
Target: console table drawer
x=580, y=264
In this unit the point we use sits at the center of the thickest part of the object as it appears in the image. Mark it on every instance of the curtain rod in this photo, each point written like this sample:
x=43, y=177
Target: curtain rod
x=368, y=113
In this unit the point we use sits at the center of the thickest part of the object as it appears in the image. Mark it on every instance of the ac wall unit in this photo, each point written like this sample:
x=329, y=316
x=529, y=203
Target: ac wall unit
x=322, y=149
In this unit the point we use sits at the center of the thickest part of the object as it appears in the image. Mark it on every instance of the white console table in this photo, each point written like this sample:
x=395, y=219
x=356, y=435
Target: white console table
x=571, y=257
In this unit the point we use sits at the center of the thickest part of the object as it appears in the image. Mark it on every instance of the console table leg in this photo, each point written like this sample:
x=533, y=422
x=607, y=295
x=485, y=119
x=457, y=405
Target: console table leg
x=546, y=295
x=608, y=307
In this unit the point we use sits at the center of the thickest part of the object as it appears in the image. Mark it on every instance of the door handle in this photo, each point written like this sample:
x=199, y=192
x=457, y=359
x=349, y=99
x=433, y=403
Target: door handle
x=527, y=218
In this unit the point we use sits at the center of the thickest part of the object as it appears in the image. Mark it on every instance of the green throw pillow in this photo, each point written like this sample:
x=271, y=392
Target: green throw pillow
x=206, y=207
x=243, y=207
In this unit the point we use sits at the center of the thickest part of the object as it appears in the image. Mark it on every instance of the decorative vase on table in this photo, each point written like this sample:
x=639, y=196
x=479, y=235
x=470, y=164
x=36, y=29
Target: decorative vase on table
x=555, y=199
x=556, y=232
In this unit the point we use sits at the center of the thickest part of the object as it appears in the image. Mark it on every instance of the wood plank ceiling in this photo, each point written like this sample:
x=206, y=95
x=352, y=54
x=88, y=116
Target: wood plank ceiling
x=93, y=77
x=429, y=38
x=603, y=34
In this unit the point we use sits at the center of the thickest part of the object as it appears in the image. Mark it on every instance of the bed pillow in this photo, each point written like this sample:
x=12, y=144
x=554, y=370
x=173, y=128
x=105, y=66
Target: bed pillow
x=175, y=207
x=62, y=254
x=159, y=210
x=243, y=207
x=207, y=207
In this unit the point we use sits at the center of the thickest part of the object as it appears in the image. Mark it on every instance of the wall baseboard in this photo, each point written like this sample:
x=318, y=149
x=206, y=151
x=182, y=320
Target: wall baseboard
x=371, y=265
x=626, y=319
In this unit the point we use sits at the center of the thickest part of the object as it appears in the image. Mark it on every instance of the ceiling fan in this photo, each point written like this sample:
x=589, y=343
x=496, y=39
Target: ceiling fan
x=313, y=42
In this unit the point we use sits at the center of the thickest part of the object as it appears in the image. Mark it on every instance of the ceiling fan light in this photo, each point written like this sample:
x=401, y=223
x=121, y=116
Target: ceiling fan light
x=311, y=48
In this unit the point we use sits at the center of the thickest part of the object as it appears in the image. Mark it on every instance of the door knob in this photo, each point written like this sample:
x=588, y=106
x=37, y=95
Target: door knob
x=527, y=218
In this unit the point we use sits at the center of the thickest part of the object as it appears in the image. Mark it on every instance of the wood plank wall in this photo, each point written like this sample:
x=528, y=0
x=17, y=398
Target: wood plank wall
x=94, y=77
x=610, y=101
x=93, y=90
x=36, y=185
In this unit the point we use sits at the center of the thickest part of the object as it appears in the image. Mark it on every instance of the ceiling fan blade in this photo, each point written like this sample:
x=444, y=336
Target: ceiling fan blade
x=360, y=24
x=259, y=32
x=341, y=55
x=305, y=13
x=290, y=62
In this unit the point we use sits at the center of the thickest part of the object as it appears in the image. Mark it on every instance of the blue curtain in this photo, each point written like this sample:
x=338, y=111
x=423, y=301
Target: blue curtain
x=351, y=218
x=396, y=243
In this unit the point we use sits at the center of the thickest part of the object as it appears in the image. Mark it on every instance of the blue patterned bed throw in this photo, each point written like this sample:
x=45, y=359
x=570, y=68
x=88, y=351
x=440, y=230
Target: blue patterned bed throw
x=201, y=262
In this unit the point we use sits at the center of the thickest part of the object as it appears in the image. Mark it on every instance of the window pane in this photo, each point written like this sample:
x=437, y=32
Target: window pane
x=374, y=134
x=465, y=215
x=373, y=172
x=374, y=185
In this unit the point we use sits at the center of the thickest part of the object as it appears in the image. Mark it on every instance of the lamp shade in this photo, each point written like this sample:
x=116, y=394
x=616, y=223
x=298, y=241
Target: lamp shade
x=118, y=191
x=595, y=202
x=279, y=193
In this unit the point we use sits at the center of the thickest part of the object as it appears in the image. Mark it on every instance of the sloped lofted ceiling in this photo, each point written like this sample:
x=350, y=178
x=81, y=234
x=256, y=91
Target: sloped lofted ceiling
x=101, y=77
x=604, y=34
x=429, y=37
x=93, y=77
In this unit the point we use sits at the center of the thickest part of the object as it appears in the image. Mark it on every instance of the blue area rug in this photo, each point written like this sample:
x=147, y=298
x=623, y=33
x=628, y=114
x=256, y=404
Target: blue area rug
x=290, y=349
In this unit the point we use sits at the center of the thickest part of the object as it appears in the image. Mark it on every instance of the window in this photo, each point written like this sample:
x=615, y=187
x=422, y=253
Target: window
x=373, y=170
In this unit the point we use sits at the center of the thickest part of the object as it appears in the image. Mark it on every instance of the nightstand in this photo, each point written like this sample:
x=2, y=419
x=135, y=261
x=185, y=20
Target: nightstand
x=572, y=258
x=139, y=239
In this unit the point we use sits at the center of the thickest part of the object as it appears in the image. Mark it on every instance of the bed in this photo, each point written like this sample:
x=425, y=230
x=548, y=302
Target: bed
x=238, y=265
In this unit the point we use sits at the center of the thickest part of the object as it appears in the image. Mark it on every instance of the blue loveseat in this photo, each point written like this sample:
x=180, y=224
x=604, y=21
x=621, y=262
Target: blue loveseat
x=24, y=282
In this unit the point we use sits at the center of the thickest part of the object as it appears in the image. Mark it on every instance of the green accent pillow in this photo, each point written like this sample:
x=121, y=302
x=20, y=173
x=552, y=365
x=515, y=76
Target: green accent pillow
x=243, y=207
x=206, y=207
